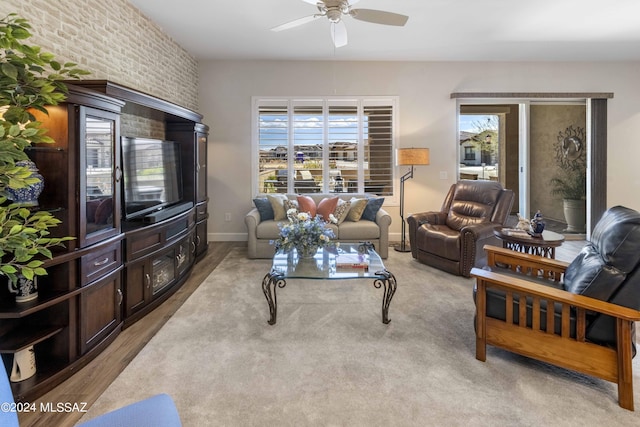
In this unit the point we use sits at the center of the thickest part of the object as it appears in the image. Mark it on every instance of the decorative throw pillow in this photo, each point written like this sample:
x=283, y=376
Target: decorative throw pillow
x=290, y=204
x=277, y=204
x=264, y=208
x=357, y=208
x=373, y=206
x=326, y=207
x=342, y=210
x=306, y=204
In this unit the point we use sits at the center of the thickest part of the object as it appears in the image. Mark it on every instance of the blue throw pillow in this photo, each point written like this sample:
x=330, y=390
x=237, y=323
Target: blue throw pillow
x=373, y=206
x=264, y=208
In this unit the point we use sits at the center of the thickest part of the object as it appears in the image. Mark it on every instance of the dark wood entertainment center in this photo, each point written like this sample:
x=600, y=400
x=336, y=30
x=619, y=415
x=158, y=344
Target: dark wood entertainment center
x=115, y=271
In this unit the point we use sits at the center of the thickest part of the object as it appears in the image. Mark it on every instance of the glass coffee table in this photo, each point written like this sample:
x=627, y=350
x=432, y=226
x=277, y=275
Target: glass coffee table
x=348, y=261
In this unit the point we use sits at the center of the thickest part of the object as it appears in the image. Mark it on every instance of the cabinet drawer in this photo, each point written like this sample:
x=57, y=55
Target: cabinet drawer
x=100, y=262
x=201, y=212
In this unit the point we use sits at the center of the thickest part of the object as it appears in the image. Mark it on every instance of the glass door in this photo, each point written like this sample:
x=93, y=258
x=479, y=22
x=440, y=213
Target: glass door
x=99, y=176
x=538, y=144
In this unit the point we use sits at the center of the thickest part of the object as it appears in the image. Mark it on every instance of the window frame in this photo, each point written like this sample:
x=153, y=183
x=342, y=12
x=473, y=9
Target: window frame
x=360, y=102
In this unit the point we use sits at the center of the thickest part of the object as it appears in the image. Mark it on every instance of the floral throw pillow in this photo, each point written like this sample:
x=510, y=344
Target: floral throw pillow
x=342, y=210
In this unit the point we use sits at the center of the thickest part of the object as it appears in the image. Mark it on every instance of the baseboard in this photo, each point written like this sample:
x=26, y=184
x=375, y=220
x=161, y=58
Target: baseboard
x=227, y=237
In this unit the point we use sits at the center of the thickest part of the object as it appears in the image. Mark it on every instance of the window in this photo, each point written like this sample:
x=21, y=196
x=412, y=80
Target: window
x=469, y=153
x=324, y=145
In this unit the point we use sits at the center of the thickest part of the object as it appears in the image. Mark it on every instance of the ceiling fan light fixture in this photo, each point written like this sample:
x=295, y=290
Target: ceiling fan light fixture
x=334, y=9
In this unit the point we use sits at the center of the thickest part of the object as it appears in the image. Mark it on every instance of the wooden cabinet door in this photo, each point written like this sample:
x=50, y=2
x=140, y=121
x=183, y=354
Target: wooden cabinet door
x=138, y=286
x=201, y=238
x=100, y=310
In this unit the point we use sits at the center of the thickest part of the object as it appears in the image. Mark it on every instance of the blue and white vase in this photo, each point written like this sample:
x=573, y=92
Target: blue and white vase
x=306, y=252
x=27, y=196
x=25, y=289
x=537, y=224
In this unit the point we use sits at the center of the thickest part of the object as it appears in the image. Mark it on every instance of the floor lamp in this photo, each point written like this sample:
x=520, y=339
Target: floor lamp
x=408, y=157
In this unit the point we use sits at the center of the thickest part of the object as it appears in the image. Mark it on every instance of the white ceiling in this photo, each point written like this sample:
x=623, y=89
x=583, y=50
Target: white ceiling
x=437, y=30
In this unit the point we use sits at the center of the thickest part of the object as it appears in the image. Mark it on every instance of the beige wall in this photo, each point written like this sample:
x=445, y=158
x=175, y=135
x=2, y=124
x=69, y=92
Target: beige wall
x=427, y=117
x=114, y=41
x=547, y=121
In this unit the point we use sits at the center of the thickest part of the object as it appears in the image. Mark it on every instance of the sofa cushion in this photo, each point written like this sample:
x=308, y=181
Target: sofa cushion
x=358, y=206
x=371, y=209
x=326, y=207
x=264, y=208
x=358, y=231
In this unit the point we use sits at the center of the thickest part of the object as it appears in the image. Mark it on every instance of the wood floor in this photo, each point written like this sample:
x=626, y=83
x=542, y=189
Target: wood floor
x=92, y=380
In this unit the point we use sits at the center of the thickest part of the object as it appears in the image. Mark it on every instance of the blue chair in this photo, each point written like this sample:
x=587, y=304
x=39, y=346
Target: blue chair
x=156, y=411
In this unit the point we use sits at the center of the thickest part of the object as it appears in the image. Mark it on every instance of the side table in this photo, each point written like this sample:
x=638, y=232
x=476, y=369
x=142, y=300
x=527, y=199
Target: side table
x=521, y=241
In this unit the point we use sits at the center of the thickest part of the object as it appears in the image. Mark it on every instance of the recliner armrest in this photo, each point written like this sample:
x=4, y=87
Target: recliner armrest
x=480, y=231
x=431, y=217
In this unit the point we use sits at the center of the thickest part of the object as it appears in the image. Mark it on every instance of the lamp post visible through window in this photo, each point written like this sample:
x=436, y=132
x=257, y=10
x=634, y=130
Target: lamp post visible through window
x=485, y=154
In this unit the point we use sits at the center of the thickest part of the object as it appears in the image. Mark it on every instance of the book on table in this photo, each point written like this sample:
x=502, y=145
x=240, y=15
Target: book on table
x=352, y=260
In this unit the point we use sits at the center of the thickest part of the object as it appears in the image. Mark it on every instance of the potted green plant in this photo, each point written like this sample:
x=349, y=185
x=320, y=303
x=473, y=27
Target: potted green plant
x=571, y=180
x=30, y=80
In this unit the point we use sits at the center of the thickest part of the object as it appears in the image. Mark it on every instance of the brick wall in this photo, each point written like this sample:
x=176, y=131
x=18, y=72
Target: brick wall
x=114, y=41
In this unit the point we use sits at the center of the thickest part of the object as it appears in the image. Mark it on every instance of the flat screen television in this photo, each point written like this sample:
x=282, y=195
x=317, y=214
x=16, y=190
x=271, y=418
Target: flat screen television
x=152, y=177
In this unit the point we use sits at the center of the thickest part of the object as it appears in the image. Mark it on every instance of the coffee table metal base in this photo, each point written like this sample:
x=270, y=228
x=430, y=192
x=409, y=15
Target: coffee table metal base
x=274, y=280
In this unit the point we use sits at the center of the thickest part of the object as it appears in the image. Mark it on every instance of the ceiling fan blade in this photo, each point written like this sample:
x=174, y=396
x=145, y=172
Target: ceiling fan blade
x=379, y=17
x=313, y=2
x=295, y=23
x=339, y=34
x=352, y=2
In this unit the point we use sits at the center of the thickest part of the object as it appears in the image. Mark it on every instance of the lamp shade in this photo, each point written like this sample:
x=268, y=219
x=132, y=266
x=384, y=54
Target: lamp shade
x=412, y=156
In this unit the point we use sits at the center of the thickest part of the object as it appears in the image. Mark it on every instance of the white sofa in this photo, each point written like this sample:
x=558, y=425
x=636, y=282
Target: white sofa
x=260, y=233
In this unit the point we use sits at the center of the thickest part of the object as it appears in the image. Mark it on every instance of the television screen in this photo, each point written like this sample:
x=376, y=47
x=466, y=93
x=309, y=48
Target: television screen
x=151, y=175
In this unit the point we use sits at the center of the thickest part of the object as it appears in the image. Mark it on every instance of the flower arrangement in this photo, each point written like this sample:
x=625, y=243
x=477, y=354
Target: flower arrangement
x=304, y=233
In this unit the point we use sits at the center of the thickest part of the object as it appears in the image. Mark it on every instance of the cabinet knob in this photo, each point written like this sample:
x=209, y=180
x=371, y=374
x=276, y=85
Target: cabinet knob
x=193, y=247
x=120, y=297
x=147, y=278
x=118, y=174
x=198, y=240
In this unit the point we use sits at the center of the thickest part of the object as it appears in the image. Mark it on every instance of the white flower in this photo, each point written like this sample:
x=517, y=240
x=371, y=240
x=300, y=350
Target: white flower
x=303, y=216
x=333, y=219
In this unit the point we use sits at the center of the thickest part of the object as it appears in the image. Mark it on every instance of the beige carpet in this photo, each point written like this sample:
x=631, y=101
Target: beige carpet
x=330, y=361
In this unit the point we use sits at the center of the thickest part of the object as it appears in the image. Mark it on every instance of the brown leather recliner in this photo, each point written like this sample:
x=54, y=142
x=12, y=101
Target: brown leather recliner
x=452, y=239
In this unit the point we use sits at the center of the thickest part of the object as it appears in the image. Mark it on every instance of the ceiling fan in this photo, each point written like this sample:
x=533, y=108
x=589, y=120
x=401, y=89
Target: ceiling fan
x=334, y=10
